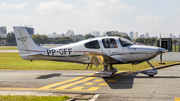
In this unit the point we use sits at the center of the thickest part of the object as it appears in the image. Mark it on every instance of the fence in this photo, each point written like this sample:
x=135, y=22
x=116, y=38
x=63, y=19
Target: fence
x=175, y=47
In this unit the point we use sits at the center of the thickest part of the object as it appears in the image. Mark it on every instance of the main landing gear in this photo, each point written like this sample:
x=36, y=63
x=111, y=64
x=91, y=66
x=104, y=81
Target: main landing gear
x=107, y=71
x=150, y=72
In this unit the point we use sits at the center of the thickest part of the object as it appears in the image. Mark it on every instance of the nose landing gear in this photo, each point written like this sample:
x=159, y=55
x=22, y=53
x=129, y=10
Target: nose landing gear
x=150, y=72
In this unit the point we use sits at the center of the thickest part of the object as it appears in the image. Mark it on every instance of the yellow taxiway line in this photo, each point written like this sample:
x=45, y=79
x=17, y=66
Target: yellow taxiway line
x=63, y=82
x=177, y=99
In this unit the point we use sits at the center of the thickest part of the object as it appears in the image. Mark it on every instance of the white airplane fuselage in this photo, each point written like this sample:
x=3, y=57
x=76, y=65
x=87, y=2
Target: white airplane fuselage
x=75, y=52
x=104, y=50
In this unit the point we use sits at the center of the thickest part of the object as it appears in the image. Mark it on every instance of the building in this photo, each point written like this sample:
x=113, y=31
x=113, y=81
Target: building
x=3, y=31
x=30, y=30
x=96, y=33
x=171, y=35
x=131, y=34
x=54, y=35
x=136, y=35
x=142, y=36
x=70, y=33
x=146, y=35
x=155, y=37
x=108, y=33
x=165, y=43
x=179, y=35
x=104, y=34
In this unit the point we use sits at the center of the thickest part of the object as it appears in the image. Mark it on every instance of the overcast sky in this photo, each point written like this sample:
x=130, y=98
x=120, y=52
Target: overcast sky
x=82, y=16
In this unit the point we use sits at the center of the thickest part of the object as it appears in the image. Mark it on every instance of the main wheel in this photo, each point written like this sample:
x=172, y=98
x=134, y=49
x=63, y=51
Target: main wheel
x=151, y=75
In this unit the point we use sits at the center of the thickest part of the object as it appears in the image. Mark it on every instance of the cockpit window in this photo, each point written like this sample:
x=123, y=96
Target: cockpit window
x=109, y=43
x=92, y=45
x=124, y=42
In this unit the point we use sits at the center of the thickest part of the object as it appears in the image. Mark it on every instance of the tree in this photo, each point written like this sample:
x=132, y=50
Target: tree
x=140, y=40
x=146, y=40
x=37, y=39
x=63, y=40
x=1, y=40
x=89, y=36
x=40, y=39
x=78, y=37
x=50, y=40
x=10, y=38
x=174, y=41
x=44, y=39
x=151, y=40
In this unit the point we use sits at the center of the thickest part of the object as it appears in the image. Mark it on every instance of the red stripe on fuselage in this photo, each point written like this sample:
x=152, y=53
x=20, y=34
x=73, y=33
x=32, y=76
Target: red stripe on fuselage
x=89, y=52
x=32, y=50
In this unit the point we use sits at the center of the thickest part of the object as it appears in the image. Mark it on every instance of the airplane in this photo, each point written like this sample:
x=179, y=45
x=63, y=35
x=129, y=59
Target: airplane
x=104, y=51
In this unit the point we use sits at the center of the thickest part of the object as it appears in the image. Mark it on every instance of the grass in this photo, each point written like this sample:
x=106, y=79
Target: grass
x=32, y=98
x=14, y=61
x=8, y=47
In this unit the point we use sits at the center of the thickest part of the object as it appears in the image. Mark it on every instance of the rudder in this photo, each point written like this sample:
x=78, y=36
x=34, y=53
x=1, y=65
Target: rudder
x=25, y=43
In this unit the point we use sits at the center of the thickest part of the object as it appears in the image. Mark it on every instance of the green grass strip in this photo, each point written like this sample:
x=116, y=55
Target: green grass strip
x=14, y=61
x=8, y=47
x=32, y=98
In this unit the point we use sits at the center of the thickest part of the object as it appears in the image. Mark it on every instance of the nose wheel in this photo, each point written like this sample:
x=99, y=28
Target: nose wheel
x=151, y=75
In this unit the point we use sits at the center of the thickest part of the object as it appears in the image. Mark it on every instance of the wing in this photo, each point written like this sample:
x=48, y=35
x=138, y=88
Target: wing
x=101, y=59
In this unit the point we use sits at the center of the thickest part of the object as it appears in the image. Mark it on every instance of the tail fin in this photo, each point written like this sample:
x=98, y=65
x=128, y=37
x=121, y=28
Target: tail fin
x=25, y=43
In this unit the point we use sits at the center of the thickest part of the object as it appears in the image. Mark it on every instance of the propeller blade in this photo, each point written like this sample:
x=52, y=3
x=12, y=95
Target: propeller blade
x=159, y=49
x=161, y=58
x=160, y=40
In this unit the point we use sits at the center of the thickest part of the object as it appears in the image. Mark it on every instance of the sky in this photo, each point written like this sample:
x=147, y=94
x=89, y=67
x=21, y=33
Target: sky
x=84, y=16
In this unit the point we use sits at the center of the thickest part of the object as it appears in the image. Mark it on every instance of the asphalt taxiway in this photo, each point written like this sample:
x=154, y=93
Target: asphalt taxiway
x=123, y=86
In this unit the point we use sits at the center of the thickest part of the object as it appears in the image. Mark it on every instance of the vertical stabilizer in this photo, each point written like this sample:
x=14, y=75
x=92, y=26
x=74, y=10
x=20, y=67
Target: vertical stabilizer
x=25, y=43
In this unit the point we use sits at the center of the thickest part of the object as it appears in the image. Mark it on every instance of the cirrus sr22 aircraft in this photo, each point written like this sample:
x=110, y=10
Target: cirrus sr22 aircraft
x=104, y=51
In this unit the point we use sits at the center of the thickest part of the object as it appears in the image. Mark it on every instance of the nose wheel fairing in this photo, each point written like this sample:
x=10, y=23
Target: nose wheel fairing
x=150, y=72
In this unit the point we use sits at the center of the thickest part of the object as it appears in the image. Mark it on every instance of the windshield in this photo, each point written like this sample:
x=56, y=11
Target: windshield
x=124, y=42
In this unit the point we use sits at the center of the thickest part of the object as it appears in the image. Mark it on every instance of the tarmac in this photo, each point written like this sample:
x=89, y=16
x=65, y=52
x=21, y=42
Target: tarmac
x=123, y=86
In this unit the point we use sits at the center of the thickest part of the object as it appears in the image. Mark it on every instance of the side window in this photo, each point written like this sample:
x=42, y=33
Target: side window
x=92, y=45
x=109, y=43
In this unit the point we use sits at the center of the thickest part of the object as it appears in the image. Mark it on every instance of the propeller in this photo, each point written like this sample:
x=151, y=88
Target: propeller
x=161, y=58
